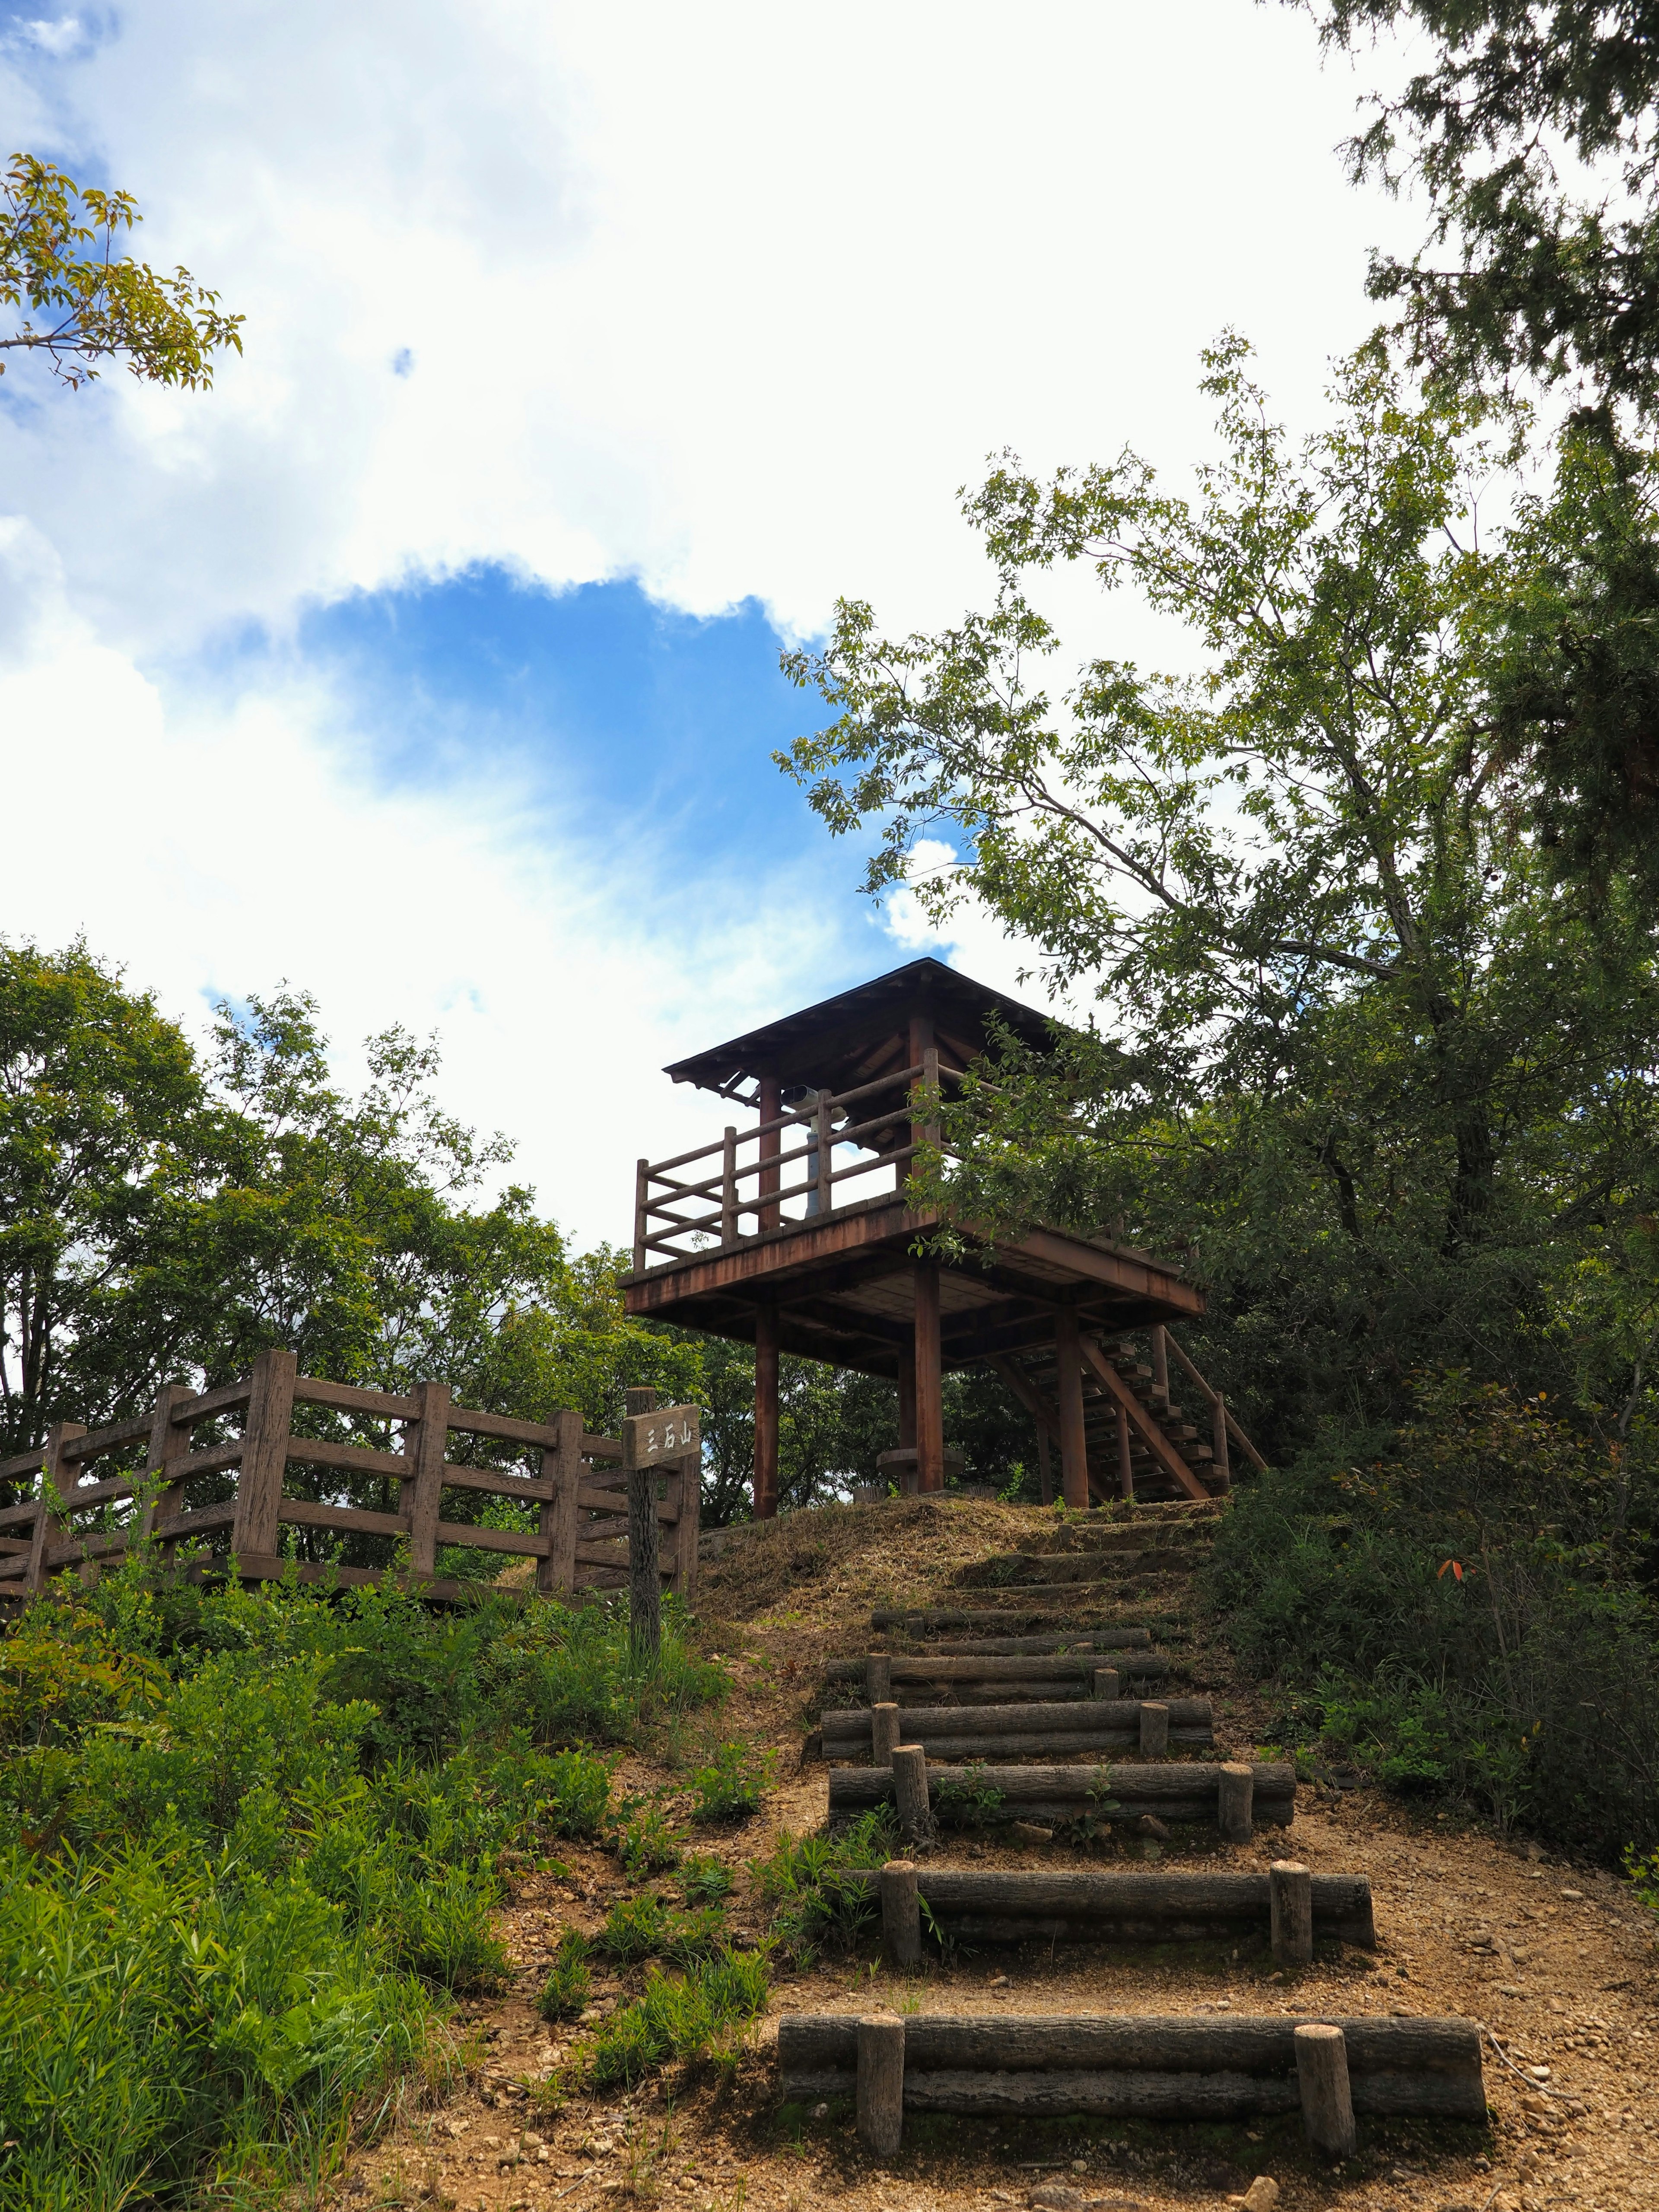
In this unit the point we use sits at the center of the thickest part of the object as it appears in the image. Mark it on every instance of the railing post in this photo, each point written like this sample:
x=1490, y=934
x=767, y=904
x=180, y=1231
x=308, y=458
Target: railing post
x=770, y=1101
x=641, y=1191
x=426, y=1440
x=1126, y=1465
x=824, y=1188
x=168, y=1444
x=265, y=1459
x=729, y=1188
x=1160, y=1365
x=1223, y=1463
x=48, y=1523
x=555, y=1573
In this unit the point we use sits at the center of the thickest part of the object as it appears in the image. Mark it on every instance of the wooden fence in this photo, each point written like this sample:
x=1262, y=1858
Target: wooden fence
x=77, y=1518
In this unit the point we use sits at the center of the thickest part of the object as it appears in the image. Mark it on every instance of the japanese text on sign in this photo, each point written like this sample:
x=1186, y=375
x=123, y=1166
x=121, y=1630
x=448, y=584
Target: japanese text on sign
x=657, y=1439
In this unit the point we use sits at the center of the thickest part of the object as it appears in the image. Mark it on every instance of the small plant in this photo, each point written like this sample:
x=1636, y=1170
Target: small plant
x=632, y=1930
x=567, y=1988
x=646, y=1844
x=706, y=1880
x=733, y=1785
x=703, y=2012
x=807, y=1881
x=967, y=1795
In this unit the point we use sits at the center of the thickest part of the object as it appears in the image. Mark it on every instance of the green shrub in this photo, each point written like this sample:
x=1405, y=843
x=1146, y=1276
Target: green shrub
x=567, y=1989
x=1446, y=1606
x=805, y=1881
x=646, y=1928
x=252, y=1839
x=706, y=1880
x=733, y=1785
x=705, y=2012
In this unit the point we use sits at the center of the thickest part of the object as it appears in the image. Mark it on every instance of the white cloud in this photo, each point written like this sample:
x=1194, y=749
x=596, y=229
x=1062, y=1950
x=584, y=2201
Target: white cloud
x=731, y=297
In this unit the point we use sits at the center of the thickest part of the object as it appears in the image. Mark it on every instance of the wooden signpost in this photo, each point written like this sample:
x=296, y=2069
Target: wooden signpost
x=653, y=1437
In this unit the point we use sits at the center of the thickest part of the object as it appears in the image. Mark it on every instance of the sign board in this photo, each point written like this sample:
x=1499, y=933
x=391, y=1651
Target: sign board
x=658, y=1439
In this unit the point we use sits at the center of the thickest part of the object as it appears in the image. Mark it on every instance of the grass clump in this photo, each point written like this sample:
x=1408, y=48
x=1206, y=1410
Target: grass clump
x=251, y=1842
x=702, y=2013
x=815, y=1904
x=646, y=1842
x=647, y=1927
x=567, y=1988
x=733, y=1784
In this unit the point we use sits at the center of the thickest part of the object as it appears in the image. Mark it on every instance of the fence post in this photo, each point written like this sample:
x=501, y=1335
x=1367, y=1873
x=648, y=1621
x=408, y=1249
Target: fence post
x=1160, y=1366
x=824, y=1140
x=426, y=1440
x=48, y=1522
x=264, y=1457
x=641, y=1186
x=729, y=1188
x=168, y=1444
x=555, y=1573
x=1219, y=1441
x=644, y=1568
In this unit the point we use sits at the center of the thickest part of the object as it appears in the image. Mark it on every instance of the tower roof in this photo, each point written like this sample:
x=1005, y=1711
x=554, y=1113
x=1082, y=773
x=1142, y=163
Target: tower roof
x=854, y=1037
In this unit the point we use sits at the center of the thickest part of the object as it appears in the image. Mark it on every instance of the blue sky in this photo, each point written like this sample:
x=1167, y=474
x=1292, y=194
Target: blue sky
x=429, y=661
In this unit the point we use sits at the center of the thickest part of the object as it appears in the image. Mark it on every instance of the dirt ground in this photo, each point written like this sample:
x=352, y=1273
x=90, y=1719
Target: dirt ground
x=1556, y=1962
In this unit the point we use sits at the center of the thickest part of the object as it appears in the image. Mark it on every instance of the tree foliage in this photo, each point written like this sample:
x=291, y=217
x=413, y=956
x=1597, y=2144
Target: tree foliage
x=1394, y=1078
x=58, y=261
x=1533, y=130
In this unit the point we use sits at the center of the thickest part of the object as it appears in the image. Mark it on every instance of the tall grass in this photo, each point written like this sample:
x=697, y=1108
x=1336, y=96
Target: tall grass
x=250, y=1845
x=1466, y=1608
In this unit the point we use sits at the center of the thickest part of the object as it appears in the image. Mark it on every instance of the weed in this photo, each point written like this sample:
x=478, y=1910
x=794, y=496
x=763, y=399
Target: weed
x=646, y=1843
x=733, y=1785
x=704, y=2013
x=644, y=1927
x=706, y=1880
x=568, y=1986
x=807, y=1882
x=965, y=1794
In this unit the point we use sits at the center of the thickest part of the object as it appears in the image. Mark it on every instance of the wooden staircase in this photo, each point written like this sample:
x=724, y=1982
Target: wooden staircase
x=1141, y=1441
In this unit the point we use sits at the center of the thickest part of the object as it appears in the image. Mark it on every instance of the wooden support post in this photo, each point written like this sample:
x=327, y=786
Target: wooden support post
x=930, y=1380
x=1126, y=1465
x=1220, y=1464
x=1322, y=2078
x=915, y=1817
x=1073, y=1447
x=265, y=1456
x=824, y=1189
x=1160, y=1365
x=1289, y=1897
x=730, y=1217
x=168, y=1444
x=688, y=1530
x=644, y=1564
x=878, y=1678
x=1234, y=1808
x=426, y=1440
x=1045, y=1474
x=770, y=1099
x=901, y=1913
x=880, y=2098
x=883, y=1732
x=766, y=1409
x=1154, y=1731
x=55, y=1484
x=641, y=1188
x=556, y=1575
x=1109, y=1683
x=907, y=1398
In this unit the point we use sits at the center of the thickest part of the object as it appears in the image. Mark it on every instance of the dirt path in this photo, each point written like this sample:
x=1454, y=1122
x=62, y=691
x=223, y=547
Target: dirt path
x=1556, y=1964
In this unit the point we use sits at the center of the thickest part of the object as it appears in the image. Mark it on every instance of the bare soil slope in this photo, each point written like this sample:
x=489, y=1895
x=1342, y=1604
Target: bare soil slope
x=1556, y=1963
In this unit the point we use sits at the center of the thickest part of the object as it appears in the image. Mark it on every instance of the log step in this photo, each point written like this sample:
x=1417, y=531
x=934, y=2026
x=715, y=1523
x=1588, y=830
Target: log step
x=950, y=1734
x=1079, y=1667
x=1180, y=1790
x=996, y=1905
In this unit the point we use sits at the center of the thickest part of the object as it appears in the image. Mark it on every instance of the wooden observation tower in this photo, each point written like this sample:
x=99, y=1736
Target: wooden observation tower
x=794, y=1234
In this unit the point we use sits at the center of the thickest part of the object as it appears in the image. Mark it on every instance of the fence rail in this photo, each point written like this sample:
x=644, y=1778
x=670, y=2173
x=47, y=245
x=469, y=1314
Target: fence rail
x=579, y=1541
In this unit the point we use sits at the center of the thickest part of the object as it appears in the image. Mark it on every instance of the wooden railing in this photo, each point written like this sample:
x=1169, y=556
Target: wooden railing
x=77, y=1518
x=675, y=1216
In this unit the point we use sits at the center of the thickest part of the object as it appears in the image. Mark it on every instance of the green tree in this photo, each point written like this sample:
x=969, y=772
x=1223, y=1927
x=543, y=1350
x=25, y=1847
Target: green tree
x=1533, y=130
x=164, y=1216
x=1393, y=1081
x=58, y=261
